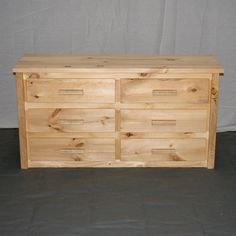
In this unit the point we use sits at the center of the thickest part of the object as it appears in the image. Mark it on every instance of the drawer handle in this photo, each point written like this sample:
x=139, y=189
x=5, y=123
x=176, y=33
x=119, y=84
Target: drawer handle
x=163, y=122
x=71, y=92
x=72, y=150
x=163, y=150
x=164, y=92
x=70, y=121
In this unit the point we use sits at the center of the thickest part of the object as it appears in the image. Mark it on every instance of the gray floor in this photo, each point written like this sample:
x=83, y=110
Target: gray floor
x=120, y=202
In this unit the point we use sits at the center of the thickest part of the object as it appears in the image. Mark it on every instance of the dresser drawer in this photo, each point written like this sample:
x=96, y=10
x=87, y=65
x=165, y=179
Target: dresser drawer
x=71, y=149
x=163, y=149
x=164, y=91
x=163, y=120
x=70, y=90
x=71, y=120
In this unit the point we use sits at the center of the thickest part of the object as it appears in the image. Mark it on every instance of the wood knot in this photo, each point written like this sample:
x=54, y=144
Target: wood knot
x=187, y=132
x=36, y=96
x=214, y=91
x=129, y=134
x=77, y=159
x=143, y=74
x=34, y=76
x=79, y=145
x=55, y=112
x=194, y=90
x=176, y=158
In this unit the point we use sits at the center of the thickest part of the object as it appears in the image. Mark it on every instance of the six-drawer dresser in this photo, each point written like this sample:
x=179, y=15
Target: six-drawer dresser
x=117, y=111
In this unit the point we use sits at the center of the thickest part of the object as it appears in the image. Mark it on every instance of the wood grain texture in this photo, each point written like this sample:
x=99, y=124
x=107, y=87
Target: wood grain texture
x=70, y=90
x=22, y=120
x=214, y=93
x=118, y=63
x=71, y=149
x=164, y=91
x=117, y=111
x=163, y=121
x=66, y=120
x=118, y=105
x=115, y=164
x=114, y=75
x=117, y=120
x=176, y=150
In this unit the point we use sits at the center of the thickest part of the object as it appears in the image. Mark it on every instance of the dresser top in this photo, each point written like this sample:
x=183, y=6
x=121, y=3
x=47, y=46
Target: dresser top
x=118, y=63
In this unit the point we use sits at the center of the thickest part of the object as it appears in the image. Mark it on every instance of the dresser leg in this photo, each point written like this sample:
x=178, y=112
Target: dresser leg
x=21, y=120
x=212, y=121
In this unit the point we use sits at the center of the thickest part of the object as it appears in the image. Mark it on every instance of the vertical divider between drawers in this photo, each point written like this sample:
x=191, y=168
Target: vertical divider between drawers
x=117, y=120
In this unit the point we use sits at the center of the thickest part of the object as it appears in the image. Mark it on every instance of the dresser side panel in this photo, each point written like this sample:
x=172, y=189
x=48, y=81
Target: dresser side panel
x=22, y=120
x=213, y=120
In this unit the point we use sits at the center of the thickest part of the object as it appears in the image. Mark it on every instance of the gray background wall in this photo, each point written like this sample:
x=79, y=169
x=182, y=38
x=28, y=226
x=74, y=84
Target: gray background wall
x=118, y=26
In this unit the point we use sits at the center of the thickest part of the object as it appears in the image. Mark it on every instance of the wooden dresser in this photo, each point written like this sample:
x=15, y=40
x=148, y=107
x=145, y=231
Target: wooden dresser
x=117, y=111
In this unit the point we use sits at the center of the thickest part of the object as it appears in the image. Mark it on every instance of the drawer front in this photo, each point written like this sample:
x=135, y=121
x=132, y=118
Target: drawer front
x=165, y=91
x=71, y=120
x=163, y=120
x=163, y=149
x=71, y=149
x=70, y=90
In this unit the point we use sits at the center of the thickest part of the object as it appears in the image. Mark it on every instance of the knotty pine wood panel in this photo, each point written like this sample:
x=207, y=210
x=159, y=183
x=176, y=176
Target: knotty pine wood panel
x=163, y=121
x=70, y=90
x=66, y=120
x=118, y=63
x=71, y=149
x=117, y=111
x=165, y=91
x=176, y=150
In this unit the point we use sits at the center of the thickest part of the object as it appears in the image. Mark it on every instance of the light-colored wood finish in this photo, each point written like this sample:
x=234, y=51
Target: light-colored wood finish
x=71, y=149
x=117, y=111
x=118, y=105
x=114, y=75
x=116, y=164
x=163, y=120
x=65, y=120
x=151, y=135
x=118, y=63
x=163, y=150
x=213, y=120
x=70, y=90
x=164, y=91
x=117, y=120
x=22, y=120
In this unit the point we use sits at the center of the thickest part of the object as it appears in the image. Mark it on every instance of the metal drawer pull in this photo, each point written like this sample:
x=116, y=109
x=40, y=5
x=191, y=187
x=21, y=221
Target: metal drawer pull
x=70, y=121
x=164, y=92
x=163, y=150
x=72, y=150
x=71, y=92
x=163, y=122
